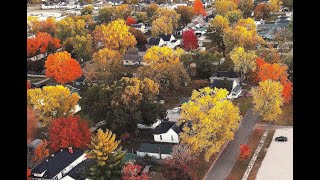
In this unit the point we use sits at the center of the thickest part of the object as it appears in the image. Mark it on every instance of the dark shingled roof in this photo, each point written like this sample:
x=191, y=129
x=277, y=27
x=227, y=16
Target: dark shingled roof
x=142, y=48
x=55, y=164
x=81, y=79
x=163, y=127
x=154, y=148
x=175, y=40
x=136, y=25
x=165, y=37
x=78, y=172
x=228, y=74
x=177, y=129
x=154, y=41
x=222, y=83
x=129, y=156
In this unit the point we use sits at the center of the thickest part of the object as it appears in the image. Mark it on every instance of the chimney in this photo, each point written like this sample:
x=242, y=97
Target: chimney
x=70, y=150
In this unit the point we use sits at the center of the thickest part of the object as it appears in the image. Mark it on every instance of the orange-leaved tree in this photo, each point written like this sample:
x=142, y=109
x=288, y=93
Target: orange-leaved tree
x=69, y=131
x=198, y=8
x=275, y=72
x=32, y=121
x=244, y=151
x=28, y=84
x=62, y=67
x=130, y=21
x=41, y=151
x=131, y=171
x=43, y=42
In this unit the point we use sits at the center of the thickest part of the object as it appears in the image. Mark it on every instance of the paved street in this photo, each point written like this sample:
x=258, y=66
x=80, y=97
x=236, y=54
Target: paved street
x=224, y=164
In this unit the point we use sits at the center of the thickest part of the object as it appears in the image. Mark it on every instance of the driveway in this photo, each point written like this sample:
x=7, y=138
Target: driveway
x=228, y=157
x=278, y=162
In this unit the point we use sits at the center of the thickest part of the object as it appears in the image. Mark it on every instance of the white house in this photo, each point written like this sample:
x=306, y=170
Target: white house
x=168, y=132
x=152, y=126
x=228, y=80
x=140, y=26
x=158, y=151
x=57, y=165
x=155, y=42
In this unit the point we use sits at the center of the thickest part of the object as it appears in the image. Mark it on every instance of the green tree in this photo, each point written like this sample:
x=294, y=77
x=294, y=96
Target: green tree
x=68, y=27
x=142, y=17
x=82, y=47
x=107, y=156
x=87, y=10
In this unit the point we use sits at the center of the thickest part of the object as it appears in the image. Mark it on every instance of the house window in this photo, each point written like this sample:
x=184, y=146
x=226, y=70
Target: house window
x=172, y=138
x=160, y=137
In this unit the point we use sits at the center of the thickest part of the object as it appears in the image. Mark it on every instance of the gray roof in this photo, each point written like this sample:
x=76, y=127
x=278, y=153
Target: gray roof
x=237, y=88
x=155, y=148
x=222, y=83
x=165, y=37
x=163, y=127
x=228, y=74
x=132, y=57
x=154, y=41
x=34, y=144
x=136, y=25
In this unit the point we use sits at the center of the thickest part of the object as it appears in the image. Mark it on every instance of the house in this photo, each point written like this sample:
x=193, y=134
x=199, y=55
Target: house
x=129, y=157
x=157, y=41
x=82, y=81
x=152, y=126
x=140, y=26
x=167, y=131
x=34, y=144
x=178, y=31
x=174, y=43
x=57, y=165
x=167, y=38
x=230, y=80
x=133, y=59
x=78, y=172
x=158, y=151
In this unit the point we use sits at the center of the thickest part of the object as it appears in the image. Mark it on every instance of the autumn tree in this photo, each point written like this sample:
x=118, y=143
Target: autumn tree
x=106, y=154
x=171, y=14
x=164, y=67
x=151, y=9
x=270, y=54
x=288, y=4
x=124, y=104
x=217, y=27
x=275, y=72
x=130, y=21
x=28, y=173
x=28, y=84
x=105, y=14
x=190, y=40
x=246, y=6
x=67, y=132
x=49, y=26
x=140, y=37
x=162, y=25
x=175, y=170
x=32, y=123
x=42, y=43
x=41, y=152
x=262, y=11
x=244, y=34
x=52, y=102
x=69, y=27
x=233, y=16
x=115, y=36
x=82, y=47
x=121, y=12
x=186, y=14
x=210, y=128
x=106, y=67
x=87, y=10
x=223, y=6
x=62, y=67
x=267, y=99
x=274, y=5
x=33, y=24
x=142, y=17
x=198, y=8
x=244, y=151
x=131, y=171
x=244, y=61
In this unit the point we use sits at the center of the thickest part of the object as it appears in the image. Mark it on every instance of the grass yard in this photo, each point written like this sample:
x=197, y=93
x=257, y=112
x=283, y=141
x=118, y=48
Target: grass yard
x=35, y=79
x=240, y=166
x=286, y=118
x=262, y=154
x=244, y=104
x=203, y=166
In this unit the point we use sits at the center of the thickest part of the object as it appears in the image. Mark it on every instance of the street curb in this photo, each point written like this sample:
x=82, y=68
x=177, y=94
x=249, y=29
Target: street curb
x=214, y=162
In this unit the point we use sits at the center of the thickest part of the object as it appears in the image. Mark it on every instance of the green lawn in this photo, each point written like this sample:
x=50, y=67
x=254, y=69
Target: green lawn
x=244, y=103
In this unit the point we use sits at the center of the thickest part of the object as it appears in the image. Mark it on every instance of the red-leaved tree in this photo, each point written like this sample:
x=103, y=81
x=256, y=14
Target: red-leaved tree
x=69, y=131
x=244, y=151
x=190, y=40
x=62, y=67
x=28, y=173
x=130, y=21
x=275, y=72
x=198, y=8
x=28, y=84
x=43, y=42
x=131, y=172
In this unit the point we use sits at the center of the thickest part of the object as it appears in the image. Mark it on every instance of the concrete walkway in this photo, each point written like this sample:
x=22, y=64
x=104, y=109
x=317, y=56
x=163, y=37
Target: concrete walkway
x=222, y=167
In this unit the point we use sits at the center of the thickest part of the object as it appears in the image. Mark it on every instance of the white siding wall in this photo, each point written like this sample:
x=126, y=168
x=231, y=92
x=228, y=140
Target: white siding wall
x=155, y=155
x=166, y=137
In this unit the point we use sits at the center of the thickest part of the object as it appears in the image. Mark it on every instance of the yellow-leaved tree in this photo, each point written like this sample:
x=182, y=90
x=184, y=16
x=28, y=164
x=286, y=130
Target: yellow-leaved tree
x=267, y=99
x=115, y=36
x=223, y=6
x=162, y=25
x=274, y=5
x=165, y=67
x=210, y=121
x=52, y=102
x=106, y=154
x=244, y=61
x=172, y=14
